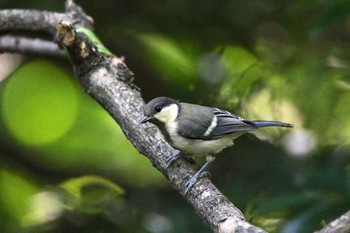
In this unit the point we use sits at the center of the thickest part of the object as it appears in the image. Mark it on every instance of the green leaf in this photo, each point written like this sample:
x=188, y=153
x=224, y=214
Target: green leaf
x=308, y=221
x=237, y=59
x=169, y=58
x=286, y=203
x=92, y=36
x=75, y=186
x=16, y=193
x=92, y=194
x=243, y=70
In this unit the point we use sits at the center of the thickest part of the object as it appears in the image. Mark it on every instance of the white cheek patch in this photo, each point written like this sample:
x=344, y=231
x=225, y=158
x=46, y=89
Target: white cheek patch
x=168, y=114
x=212, y=126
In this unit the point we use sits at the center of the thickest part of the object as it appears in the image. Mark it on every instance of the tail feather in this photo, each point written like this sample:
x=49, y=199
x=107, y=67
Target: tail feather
x=260, y=124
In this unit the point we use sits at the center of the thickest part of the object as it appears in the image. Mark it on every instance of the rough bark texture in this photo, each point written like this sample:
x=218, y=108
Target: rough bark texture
x=42, y=21
x=106, y=79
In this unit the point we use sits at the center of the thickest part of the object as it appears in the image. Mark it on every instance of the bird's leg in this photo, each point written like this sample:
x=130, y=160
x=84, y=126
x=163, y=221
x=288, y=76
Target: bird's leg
x=173, y=158
x=198, y=174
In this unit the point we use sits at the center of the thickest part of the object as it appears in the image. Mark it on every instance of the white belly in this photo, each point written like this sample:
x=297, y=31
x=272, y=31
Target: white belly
x=199, y=147
x=202, y=147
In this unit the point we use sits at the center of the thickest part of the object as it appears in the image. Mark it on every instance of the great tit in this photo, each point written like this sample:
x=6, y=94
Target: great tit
x=198, y=130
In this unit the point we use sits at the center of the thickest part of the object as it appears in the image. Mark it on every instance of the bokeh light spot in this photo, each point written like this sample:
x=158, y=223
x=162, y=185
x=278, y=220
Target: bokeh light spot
x=39, y=103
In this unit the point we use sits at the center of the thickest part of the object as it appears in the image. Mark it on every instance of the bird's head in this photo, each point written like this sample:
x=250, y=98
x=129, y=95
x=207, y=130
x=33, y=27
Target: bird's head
x=161, y=109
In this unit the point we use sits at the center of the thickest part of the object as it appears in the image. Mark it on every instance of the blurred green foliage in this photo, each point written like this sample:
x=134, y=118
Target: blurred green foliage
x=65, y=165
x=32, y=93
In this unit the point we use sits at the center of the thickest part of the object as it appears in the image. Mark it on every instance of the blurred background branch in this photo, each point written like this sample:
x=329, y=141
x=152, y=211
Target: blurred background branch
x=339, y=225
x=25, y=45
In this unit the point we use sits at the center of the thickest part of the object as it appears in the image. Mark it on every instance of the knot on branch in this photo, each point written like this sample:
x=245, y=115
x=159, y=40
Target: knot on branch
x=82, y=51
x=65, y=33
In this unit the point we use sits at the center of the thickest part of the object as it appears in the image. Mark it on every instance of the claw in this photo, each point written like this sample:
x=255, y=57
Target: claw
x=205, y=174
x=173, y=158
x=189, y=184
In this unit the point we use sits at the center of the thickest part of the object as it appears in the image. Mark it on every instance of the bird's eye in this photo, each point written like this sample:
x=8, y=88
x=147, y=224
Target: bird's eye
x=158, y=108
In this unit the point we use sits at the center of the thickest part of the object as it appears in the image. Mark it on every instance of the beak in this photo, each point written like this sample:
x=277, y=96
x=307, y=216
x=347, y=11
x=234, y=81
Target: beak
x=145, y=119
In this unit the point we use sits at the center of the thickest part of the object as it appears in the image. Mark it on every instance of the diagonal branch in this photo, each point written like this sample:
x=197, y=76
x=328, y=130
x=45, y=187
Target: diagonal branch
x=107, y=81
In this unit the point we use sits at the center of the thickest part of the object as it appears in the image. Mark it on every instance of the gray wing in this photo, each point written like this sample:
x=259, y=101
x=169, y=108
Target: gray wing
x=228, y=123
x=196, y=120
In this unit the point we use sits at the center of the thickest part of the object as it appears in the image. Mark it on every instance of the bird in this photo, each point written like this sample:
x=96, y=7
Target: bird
x=198, y=130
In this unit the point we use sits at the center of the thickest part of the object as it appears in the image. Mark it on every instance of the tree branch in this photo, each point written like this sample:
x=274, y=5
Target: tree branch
x=107, y=81
x=43, y=21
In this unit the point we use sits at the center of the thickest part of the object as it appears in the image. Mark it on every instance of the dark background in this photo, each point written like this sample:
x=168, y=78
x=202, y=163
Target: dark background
x=65, y=166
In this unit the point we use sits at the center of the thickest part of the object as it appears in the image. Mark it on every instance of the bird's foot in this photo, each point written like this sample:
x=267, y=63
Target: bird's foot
x=194, y=179
x=173, y=158
x=199, y=174
x=190, y=183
